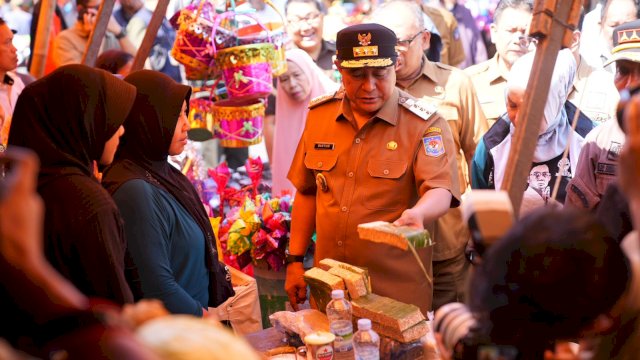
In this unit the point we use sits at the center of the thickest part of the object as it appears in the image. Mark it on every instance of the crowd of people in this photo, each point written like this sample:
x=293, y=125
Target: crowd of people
x=392, y=111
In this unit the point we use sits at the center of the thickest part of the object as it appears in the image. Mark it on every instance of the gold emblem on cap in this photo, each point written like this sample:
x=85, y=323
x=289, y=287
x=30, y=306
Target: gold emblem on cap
x=392, y=145
x=321, y=181
x=364, y=40
x=359, y=51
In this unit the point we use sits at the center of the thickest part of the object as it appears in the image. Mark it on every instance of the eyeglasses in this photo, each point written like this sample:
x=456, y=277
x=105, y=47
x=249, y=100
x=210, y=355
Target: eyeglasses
x=538, y=174
x=311, y=20
x=406, y=43
x=527, y=41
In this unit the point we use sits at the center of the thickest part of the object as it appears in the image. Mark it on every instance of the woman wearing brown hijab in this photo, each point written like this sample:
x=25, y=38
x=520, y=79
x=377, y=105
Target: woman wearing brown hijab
x=169, y=236
x=71, y=118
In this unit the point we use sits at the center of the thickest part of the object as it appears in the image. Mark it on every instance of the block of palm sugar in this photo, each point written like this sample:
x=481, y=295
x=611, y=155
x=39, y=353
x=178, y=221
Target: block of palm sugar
x=321, y=283
x=326, y=264
x=354, y=283
x=398, y=236
x=392, y=314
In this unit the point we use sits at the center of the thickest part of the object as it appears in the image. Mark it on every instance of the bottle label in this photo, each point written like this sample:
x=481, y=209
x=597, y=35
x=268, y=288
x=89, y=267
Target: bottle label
x=324, y=352
x=343, y=330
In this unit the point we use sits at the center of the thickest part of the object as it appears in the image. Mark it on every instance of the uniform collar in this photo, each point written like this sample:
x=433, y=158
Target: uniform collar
x=430, y=70
x=388, y=112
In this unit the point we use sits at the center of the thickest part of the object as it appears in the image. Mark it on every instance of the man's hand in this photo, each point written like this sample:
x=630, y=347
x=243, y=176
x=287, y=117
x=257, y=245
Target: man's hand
x=113, y=26
x=411, y=217
x=294, y=285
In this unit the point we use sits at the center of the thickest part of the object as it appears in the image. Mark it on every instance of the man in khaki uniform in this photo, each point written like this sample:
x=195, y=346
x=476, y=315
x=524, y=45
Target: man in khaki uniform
x=508, y=33
x=598, y=162
x=452, y=52
x=593, y=90
x=452, y=91
x=369, y=152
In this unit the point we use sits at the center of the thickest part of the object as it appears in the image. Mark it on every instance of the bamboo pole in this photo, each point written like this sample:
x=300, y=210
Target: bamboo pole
x=150, y=35
x=41, y=41
x=98, y=33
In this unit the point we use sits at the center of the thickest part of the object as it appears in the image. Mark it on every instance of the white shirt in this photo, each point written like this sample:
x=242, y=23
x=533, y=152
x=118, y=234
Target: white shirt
x=8, y=98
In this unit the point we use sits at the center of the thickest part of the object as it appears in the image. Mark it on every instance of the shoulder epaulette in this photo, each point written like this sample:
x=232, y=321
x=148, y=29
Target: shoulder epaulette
x=477, y=68
x=320, y=100
x=420, y=108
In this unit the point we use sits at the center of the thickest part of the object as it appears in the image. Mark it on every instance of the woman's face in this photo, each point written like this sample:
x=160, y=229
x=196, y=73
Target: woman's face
x=515, y=100
x=295, y=82
x=111, y=146
x=179, y=139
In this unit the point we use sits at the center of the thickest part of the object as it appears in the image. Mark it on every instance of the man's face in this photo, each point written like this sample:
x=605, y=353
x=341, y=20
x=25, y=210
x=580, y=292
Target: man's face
x=627, y=74
x=367, y=88
x=8, y=52
x=304, y=25
x=539, y=177
x=507, y=34
x=412, y=42
x=618, y=13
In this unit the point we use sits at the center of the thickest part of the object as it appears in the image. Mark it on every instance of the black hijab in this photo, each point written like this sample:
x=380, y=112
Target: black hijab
x=144, y=149
x=68, y=116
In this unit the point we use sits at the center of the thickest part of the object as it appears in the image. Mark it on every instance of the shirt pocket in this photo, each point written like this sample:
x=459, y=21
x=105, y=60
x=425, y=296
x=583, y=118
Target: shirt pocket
x=320, y=163
x=386, y=185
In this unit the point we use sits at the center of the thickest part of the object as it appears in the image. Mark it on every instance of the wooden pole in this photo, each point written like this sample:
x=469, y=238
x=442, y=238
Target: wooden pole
x=41, y=41
x=150, y=35
x=553, y=23
x=98, y=32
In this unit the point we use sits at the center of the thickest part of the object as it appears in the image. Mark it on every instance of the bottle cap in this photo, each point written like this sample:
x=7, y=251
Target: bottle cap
x=337, y=294
x=364, y=324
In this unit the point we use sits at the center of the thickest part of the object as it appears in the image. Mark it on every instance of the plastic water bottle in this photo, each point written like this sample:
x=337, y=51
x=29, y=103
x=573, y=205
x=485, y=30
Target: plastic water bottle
x=366, y=343
x=339, y=314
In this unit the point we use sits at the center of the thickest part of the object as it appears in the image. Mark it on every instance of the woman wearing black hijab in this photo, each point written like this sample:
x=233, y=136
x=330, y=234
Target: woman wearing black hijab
x=71, y=118
x=168, y=233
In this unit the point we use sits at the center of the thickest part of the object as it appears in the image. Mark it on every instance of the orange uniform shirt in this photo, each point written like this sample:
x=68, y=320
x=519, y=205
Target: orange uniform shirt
x=373, y=173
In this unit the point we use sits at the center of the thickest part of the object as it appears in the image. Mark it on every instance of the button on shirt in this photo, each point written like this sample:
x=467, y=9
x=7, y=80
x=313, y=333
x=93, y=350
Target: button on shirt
x=386, y=181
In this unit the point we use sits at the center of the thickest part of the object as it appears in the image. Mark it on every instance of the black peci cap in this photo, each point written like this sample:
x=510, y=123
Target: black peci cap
x=626, y=42
x=366, y=45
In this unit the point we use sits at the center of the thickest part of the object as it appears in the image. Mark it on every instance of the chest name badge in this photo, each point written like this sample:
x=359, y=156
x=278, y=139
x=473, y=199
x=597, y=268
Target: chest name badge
x=433, y=145
x=323, y=146
x=392, y=145
x=321, y=181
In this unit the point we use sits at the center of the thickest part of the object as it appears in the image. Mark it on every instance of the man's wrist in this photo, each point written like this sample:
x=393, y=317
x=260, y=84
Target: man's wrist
x=121, y=34
x=290, y=258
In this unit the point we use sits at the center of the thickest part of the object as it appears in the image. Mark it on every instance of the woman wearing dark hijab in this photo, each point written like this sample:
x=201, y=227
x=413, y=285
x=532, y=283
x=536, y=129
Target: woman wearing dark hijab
x=69, y=130
x=168, y=233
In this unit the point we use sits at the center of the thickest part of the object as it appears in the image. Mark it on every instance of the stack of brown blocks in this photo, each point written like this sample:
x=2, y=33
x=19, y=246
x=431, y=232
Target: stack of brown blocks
x=399, y=321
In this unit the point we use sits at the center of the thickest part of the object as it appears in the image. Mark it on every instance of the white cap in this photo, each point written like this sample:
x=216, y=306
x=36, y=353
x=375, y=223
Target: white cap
x=337, y=294
x=364, y=324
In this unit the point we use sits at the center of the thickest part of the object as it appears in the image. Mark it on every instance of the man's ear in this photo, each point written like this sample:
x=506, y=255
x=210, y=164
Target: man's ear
x=426, y=39
x=493, y=29
x=601, y=325
x=575, y=40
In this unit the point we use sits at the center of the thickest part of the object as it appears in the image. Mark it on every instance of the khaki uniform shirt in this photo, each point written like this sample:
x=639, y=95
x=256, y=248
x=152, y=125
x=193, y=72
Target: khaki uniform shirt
x=491, y=84
x=452, y=91
x=596, y=167
x=594, y=93
x=452, y=52
x=369, y=174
